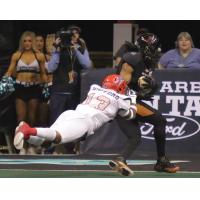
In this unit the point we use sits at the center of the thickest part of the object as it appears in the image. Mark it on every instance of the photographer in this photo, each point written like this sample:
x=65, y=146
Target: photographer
x=66, y=63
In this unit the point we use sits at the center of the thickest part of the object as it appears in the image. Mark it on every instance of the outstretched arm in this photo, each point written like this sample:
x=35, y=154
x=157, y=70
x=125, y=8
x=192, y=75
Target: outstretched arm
x=128, y=114
x=128, y=109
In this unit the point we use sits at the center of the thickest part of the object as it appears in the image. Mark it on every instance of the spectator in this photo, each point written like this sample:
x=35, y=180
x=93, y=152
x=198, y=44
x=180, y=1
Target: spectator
x=26, y=63
x=66, y=63
x=183, y=56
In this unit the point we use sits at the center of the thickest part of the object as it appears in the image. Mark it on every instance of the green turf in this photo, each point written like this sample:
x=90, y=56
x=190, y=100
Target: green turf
x=86, y=174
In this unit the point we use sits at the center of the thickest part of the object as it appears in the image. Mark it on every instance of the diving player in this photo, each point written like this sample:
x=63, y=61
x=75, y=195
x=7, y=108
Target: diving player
x=101, y=106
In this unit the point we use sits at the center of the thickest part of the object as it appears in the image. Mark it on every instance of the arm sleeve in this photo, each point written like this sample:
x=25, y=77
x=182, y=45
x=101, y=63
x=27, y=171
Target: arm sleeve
x=84, y=58
x=164, y=60
x=54, y=62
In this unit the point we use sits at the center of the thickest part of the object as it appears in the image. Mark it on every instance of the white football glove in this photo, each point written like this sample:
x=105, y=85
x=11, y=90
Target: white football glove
x=131, y=94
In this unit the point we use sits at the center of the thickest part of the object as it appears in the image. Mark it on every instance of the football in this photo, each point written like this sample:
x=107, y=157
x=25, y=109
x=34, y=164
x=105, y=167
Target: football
x=142, y=83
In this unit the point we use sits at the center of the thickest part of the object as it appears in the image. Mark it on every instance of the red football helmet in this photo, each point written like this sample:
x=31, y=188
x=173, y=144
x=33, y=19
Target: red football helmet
x=115, y=82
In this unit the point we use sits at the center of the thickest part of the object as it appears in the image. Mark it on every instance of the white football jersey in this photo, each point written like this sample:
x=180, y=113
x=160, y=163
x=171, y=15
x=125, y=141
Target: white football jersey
x=102, y=105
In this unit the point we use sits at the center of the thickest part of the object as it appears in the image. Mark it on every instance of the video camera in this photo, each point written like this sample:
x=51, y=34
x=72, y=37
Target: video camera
x=66, y=37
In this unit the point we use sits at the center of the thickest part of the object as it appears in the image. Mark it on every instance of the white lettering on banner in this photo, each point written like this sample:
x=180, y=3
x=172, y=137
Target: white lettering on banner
x=191, y=103
x=174, y=100
x=154, y=102
x=190, y=107
x=176, y=128
x=195, y=87
x=166, y=87
x=182, y=109
x=181, y=87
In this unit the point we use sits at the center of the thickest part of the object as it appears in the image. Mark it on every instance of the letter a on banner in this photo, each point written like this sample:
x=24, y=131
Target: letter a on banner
x=166, y=87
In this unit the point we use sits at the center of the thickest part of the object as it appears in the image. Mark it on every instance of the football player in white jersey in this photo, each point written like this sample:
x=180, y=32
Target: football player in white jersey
x=101, y=105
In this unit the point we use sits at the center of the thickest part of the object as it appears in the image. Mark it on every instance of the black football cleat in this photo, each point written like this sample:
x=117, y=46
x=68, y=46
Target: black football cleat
x=163, y=165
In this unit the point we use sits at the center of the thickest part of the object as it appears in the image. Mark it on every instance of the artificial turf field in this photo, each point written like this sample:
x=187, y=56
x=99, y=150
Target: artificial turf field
x=86, y=166
x=91, y=174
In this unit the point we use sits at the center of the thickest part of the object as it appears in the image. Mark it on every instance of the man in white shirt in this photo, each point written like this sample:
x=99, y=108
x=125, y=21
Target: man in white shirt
x=101, y=106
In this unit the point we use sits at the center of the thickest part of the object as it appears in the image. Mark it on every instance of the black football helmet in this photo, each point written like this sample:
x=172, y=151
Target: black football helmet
x=149, y=46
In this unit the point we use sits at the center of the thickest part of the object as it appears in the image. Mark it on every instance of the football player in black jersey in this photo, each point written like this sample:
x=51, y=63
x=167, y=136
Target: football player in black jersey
x=136, y=68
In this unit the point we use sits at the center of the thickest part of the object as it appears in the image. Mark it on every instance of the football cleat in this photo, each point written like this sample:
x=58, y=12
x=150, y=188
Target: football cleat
x=163, y=165
x=22, y=132
x=121, y=167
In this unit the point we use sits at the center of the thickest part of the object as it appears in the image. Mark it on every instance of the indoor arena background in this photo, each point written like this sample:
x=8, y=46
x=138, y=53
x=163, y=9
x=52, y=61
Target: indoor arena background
x=177, y=99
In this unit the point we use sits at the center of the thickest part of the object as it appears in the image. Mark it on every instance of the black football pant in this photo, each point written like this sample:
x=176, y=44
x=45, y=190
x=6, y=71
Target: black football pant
x=131, y=129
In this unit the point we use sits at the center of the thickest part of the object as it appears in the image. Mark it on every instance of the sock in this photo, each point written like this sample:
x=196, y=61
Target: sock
x=46, y=133
x=35, y=140
x=33, y=131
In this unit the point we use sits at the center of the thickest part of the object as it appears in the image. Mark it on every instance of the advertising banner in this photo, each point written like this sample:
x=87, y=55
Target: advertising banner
x=178, y=99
